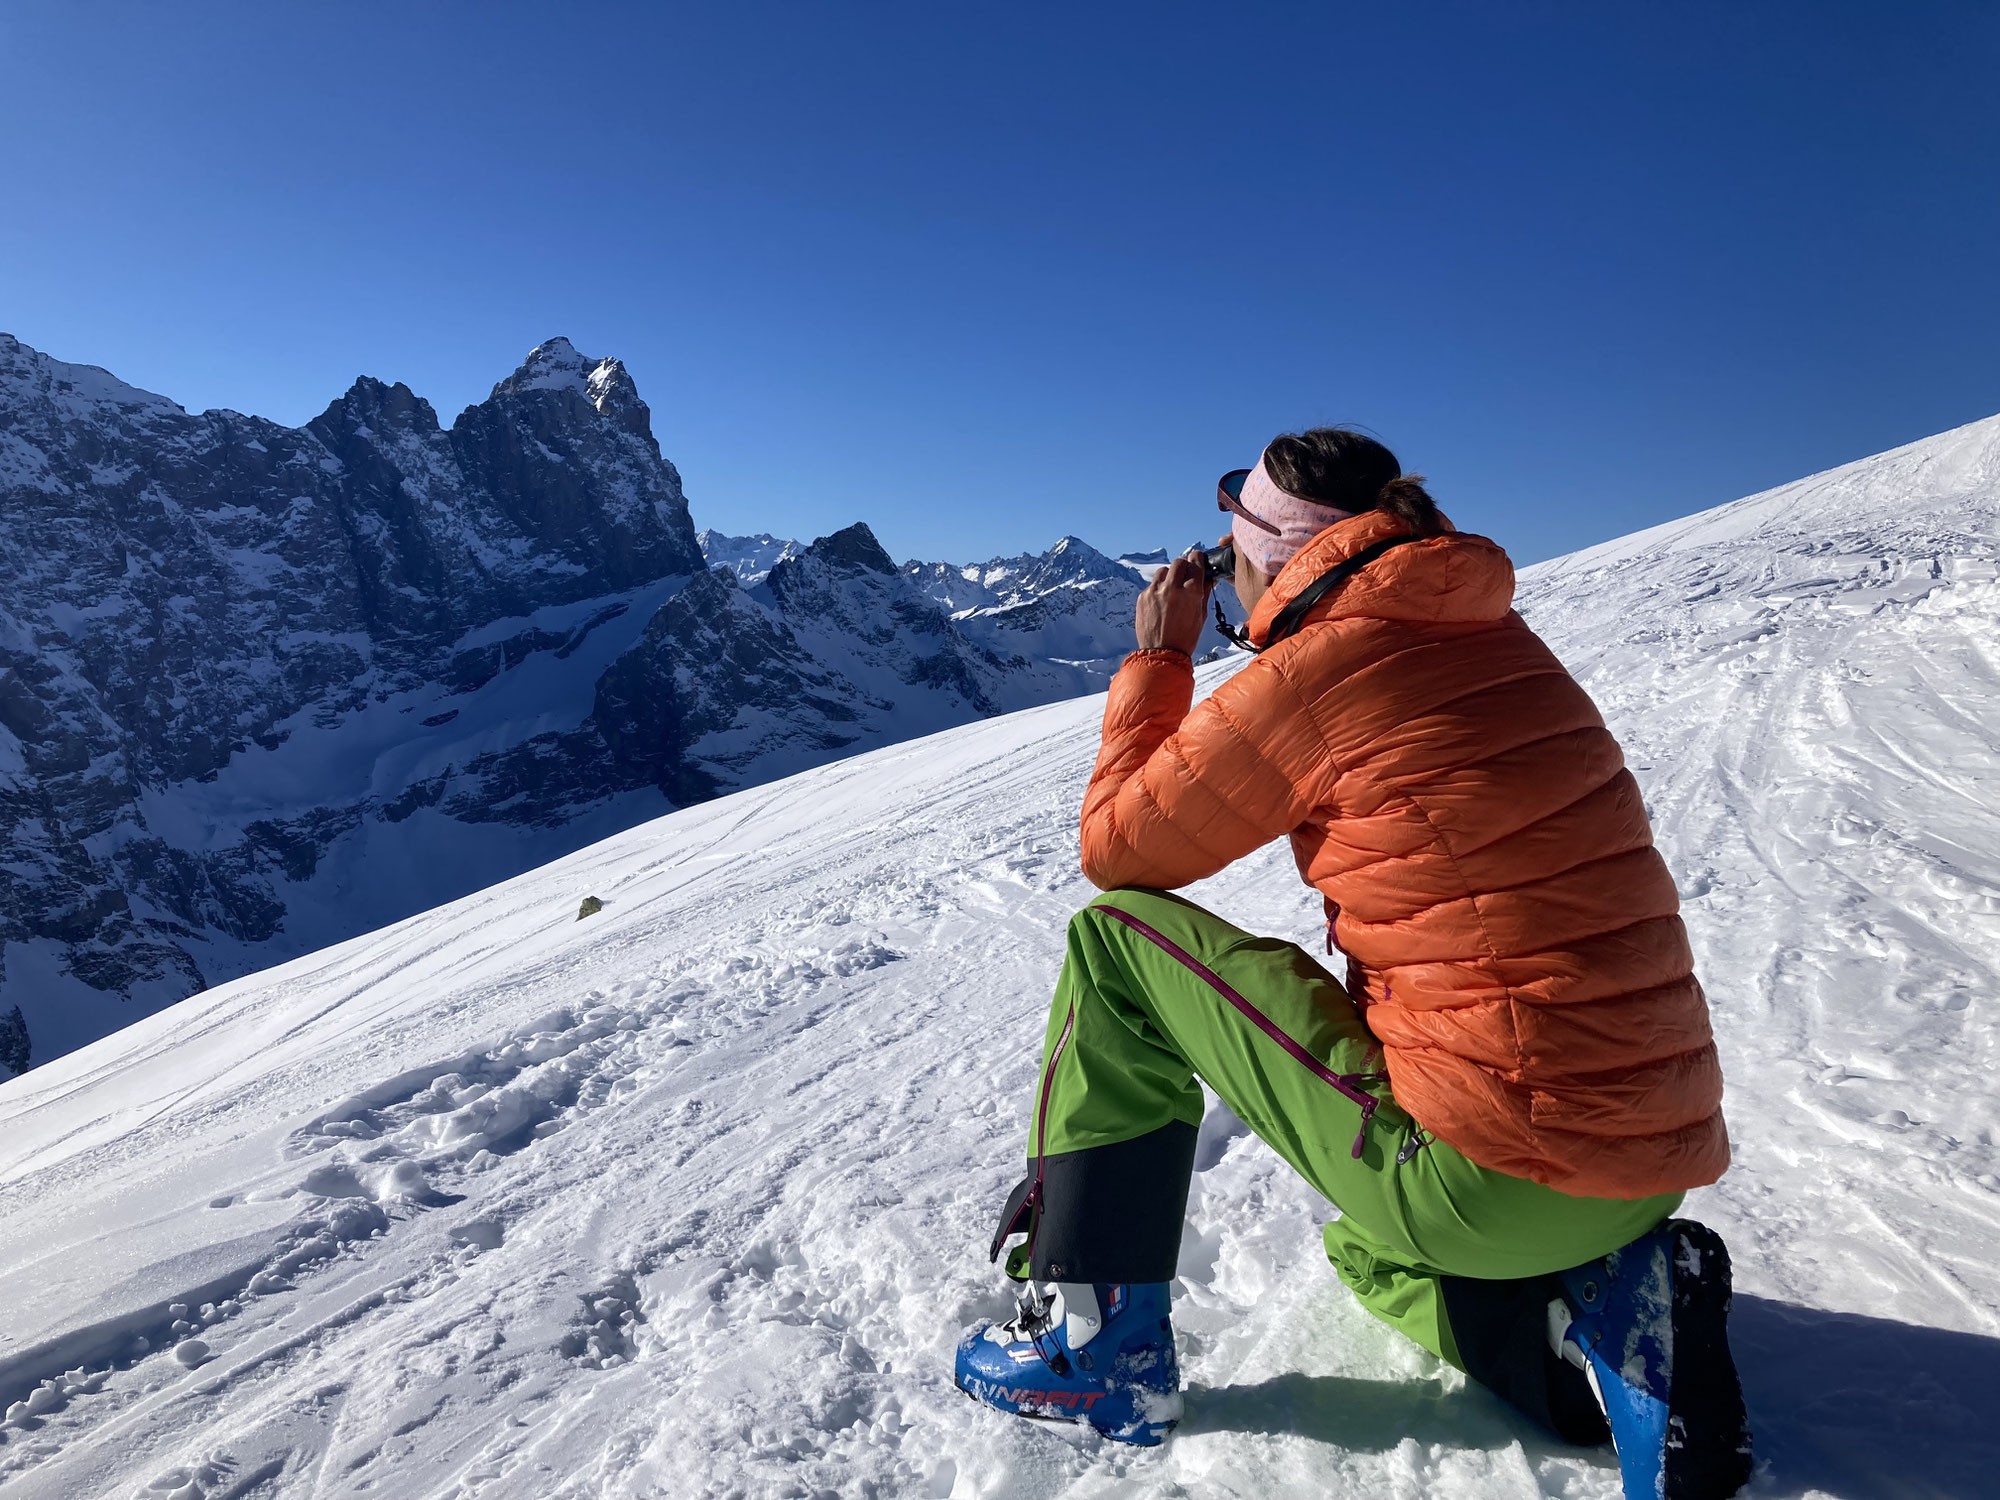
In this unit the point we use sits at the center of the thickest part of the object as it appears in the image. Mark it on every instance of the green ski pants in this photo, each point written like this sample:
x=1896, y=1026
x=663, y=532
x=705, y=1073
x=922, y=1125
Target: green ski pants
x=1156, y=992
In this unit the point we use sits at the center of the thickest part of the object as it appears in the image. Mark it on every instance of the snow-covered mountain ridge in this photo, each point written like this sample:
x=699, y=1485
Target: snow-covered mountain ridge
x=1071, y=604
x=262, y=688
x=690, y=1197
x=750, y=558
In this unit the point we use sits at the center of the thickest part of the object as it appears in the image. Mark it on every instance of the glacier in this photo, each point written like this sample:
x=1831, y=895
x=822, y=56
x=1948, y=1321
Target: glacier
x=689, y=1197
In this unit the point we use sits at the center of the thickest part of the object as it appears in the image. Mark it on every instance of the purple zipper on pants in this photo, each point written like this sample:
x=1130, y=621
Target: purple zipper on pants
x=1033, y=1207
x=1349, y=1084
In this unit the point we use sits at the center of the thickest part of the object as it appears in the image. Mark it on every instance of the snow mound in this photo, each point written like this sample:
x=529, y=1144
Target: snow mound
x=690, y=1198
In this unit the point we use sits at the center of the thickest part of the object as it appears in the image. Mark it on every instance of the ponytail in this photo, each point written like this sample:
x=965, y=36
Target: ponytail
x=1405, y=498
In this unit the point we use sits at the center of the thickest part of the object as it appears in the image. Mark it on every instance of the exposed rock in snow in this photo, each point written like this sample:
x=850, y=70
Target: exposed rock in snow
x=16, y=1047
x=693, y=1198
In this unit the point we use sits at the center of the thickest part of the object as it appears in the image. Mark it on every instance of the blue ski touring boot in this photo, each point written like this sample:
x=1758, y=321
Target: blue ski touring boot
x=1648, y=1324
x=1078, y=1352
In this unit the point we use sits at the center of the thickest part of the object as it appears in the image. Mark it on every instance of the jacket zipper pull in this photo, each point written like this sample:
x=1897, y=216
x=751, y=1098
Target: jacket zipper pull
x=1361, y=1135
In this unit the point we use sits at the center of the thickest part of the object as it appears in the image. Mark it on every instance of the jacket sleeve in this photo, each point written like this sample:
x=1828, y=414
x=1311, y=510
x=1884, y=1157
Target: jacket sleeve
x=1177, y=795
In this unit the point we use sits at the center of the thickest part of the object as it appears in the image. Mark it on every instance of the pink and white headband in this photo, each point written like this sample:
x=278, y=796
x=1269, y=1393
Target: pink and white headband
x=1287, y=522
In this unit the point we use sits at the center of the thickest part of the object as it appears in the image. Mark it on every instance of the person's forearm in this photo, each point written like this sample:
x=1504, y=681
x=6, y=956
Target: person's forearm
x=1149, y=698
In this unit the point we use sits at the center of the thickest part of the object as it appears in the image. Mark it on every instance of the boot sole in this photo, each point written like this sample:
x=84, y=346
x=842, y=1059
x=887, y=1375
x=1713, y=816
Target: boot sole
x=1708, y=1431
x=1150, y=1436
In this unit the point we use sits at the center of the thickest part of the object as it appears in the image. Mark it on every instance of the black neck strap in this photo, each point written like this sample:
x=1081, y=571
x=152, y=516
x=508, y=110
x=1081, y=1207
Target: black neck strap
x=1293, y=615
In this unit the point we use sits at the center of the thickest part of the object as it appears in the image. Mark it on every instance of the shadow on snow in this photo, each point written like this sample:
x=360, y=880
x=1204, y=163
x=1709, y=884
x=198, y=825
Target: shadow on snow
x=1856, y=1407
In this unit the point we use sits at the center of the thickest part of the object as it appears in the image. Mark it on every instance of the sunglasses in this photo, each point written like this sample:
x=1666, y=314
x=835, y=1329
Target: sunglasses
x=1229, y=497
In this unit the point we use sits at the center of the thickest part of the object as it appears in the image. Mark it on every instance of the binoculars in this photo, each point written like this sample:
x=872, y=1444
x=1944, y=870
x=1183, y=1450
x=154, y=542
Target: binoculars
x=1219, y=563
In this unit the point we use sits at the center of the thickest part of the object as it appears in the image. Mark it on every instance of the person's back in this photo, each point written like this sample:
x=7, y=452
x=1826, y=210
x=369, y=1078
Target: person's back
x=1519, y=1083
x=1486, y=860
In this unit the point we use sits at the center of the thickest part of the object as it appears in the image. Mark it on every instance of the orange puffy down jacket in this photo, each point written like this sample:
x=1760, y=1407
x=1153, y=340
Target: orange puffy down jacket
x=1512, y=935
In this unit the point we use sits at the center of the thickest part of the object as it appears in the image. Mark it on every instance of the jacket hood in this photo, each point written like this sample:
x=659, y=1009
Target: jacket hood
x=1454, y=576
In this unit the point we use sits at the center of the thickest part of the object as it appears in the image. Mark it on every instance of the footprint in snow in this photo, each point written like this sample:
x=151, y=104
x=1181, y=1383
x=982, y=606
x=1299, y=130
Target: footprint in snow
x=473, y=1110
x=605, y=1335
x=173, y=1329
x=198, y=1481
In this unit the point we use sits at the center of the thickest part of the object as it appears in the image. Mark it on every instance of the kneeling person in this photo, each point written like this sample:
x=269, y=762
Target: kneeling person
x=1517, y=1083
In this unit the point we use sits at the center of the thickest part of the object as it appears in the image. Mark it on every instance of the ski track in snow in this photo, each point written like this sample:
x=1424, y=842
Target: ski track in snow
x=690, y=1197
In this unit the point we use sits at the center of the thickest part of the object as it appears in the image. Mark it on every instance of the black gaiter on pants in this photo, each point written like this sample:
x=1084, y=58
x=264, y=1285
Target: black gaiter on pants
x=1114, y=1213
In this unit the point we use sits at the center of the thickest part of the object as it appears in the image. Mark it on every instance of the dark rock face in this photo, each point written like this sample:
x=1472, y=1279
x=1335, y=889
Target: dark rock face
x=184, y=590
x=14, y=1044
x=262, y=688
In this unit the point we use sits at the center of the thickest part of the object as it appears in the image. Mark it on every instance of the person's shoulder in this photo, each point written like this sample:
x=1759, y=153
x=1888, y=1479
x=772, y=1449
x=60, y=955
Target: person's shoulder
x=1322, y=650
x=1281, y=676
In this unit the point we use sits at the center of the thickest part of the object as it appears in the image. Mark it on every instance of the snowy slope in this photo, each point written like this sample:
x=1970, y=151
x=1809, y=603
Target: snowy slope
x=689, y=1197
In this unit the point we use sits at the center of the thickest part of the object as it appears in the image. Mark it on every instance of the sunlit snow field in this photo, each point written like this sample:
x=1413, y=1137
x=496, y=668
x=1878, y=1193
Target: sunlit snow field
x=690, y=1198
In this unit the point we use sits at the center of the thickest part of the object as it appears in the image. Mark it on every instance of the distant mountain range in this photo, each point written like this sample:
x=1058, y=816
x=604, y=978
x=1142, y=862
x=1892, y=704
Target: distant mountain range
x=263, y=688
x=1064, y=616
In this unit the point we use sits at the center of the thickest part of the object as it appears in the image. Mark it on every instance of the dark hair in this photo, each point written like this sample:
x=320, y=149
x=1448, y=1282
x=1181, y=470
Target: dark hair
x=1351, y=471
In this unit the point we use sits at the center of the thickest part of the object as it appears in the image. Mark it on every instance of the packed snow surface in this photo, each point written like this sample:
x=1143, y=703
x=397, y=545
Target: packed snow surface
x=689, y=1196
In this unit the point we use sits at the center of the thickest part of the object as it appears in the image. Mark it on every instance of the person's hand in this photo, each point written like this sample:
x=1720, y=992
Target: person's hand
x=1174, y=607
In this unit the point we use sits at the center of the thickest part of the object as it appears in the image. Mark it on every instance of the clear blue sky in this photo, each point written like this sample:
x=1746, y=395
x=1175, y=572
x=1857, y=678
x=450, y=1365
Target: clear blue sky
x=985, y=274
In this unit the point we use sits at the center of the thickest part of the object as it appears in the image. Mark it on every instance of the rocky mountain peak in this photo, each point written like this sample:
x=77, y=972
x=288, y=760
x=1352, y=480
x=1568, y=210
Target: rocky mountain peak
x=262, y=687
x=852, y=548
x=555, y=365
x=378, y=407
x=1071, y=561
